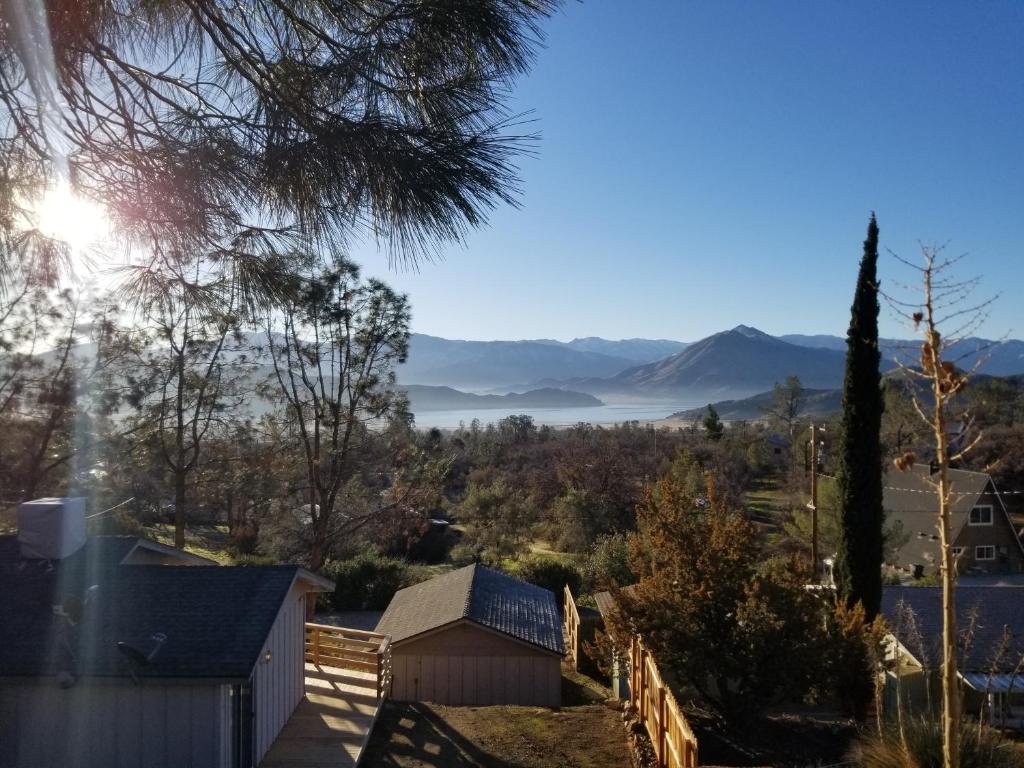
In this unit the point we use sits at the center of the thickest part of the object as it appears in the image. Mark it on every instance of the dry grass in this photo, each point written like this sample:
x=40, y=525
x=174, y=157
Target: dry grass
x=581, y=734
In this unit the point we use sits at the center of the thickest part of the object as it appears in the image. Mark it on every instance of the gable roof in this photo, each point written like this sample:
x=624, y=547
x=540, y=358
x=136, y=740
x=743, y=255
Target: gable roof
x=215, y=618
x=910, y=500
x=481, y=595
x=914, y=615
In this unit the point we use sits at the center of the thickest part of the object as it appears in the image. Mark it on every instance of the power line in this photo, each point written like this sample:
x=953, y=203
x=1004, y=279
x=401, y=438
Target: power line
x=111, y=509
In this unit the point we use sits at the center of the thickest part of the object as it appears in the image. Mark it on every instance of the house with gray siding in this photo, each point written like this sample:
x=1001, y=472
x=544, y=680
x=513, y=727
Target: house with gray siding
x=113, y=654
x=984, y=539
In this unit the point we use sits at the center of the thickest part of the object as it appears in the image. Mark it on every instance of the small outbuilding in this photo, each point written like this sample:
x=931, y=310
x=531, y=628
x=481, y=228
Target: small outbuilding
x=475, y=636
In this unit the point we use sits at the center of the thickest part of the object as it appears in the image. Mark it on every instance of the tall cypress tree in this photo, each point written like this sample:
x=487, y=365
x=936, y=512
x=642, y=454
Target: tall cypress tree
x=858, y=569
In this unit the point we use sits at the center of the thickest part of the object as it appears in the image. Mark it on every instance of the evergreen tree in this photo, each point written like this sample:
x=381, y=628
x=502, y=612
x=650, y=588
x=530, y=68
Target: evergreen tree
x=858, y=570
x=713, y=425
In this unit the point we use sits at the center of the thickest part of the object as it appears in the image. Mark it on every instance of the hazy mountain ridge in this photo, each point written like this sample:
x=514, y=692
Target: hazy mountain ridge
x=635, y=350
x=740, y=362
x=492, y=364
x=1001, y=358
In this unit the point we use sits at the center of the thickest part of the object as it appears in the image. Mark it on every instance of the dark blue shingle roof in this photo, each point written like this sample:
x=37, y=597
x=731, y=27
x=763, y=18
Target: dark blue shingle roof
x=215, y=618
x=915, y=616
x=482, y=595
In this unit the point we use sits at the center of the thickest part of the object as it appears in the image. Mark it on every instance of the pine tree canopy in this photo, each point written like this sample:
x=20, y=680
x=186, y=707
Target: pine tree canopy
x=250, y=127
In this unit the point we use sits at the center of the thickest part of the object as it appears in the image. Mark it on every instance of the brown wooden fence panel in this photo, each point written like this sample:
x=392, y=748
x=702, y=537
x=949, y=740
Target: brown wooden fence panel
x=571, y=625
x=675, y=745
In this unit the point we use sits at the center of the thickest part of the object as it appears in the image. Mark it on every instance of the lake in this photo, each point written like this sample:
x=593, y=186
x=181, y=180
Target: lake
x=555, y=417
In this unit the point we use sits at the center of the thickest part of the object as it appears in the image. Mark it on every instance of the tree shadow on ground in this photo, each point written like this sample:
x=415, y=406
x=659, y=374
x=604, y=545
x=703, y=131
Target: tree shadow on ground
x=412, y=735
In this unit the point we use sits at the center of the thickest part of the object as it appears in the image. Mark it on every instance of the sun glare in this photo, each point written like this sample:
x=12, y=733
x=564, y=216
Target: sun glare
x=62, y=215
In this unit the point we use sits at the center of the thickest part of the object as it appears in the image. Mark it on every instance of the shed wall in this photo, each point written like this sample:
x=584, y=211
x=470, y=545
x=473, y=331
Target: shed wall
x=112, y=724
x=279, y=684
x=467, y=665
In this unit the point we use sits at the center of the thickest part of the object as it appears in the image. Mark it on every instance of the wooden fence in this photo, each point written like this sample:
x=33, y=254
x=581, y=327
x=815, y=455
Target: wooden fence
x=571, y=628
x=351, y=649
x=674, y=743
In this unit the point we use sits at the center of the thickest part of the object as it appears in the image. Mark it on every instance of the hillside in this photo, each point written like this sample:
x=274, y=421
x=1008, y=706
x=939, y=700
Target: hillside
x=998, y=358
x=739, y=362
x=818, y=402
x=635, y=350
x=494, y=364
x=426, y=398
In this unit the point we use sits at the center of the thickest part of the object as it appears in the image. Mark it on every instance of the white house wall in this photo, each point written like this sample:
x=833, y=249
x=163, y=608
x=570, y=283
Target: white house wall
x=111, y=725
x=279, y=684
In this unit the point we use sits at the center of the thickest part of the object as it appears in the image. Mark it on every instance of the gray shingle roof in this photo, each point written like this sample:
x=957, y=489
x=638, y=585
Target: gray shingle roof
x=994, y=608
x=216, y=618
x=487, y=597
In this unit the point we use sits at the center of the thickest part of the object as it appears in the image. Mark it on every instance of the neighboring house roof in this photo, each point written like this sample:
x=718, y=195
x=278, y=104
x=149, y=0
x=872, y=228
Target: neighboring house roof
x=481, y=595
x=69, y=615
x=910, y=499
x=606, y=603
x=914, y=615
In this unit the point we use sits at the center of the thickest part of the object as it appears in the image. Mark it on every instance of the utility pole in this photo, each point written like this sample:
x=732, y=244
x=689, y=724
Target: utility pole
x=813, y=505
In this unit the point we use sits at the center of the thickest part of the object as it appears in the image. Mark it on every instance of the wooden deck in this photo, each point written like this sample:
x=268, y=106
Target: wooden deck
x=332, y=724
x=348, y=676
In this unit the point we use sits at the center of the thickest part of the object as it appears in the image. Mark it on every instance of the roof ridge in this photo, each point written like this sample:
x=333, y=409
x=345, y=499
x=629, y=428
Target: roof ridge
x=469, y=592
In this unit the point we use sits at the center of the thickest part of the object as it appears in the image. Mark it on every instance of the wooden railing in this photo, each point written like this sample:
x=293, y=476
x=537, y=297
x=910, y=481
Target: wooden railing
x=675, y=746
x=351, y=649
x=571, y=626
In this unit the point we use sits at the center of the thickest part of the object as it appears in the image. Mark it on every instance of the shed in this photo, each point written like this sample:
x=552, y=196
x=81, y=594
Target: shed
x=109, y=660
x=475, y=636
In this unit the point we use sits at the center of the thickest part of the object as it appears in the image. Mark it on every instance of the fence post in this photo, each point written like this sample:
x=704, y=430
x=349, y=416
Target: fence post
x=662, y=727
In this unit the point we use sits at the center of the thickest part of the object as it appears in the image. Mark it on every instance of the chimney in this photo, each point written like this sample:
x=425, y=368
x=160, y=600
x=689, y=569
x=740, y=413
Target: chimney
x=51, y=529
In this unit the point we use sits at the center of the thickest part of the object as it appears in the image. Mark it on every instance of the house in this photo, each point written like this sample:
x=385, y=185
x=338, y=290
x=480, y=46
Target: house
x=984, y=539
x=111, y=654
x=990, y=621
x=475, y=636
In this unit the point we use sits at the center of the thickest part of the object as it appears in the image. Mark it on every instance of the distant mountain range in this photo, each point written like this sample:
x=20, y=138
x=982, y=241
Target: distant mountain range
x=1004, y=358
x=635, y=350
x=424, y=398
x=487, y=365
x=733, y=364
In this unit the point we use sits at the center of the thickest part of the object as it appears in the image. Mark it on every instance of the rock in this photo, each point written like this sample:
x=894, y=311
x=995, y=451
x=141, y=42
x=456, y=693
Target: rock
x=616, y=704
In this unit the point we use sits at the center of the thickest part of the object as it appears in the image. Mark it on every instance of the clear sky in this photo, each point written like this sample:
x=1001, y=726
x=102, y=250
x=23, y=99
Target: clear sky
x=714, y=163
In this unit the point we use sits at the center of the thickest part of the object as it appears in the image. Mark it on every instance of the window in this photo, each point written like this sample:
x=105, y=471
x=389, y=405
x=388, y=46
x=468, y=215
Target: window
x=957, y=551
x=985, y=552
x=980, y=516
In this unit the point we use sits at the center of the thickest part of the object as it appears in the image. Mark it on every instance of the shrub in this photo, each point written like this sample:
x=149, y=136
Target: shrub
x=243, y=540
x=549, y=573
x=120, y=523
x=464, y=554
x=366, y=582
x=254, y=560
x=921, y=747
x=607, y=564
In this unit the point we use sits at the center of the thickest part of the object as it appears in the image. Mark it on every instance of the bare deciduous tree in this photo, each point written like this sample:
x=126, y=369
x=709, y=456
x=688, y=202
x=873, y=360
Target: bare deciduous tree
x=946, y=317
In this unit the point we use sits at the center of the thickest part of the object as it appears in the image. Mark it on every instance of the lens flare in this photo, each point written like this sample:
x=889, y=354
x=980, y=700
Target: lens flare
x=62, y=215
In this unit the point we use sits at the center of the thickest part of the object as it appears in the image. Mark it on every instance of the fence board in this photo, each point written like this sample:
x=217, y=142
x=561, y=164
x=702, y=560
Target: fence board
x=571, y=627
x=675, y=745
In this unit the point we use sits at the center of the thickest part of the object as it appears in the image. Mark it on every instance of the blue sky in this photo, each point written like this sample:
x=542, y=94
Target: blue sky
x=709, y=164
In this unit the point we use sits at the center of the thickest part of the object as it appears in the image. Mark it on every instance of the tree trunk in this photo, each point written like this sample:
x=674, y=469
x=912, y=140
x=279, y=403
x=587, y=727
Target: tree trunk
x=179, y=507
x=950, y=685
